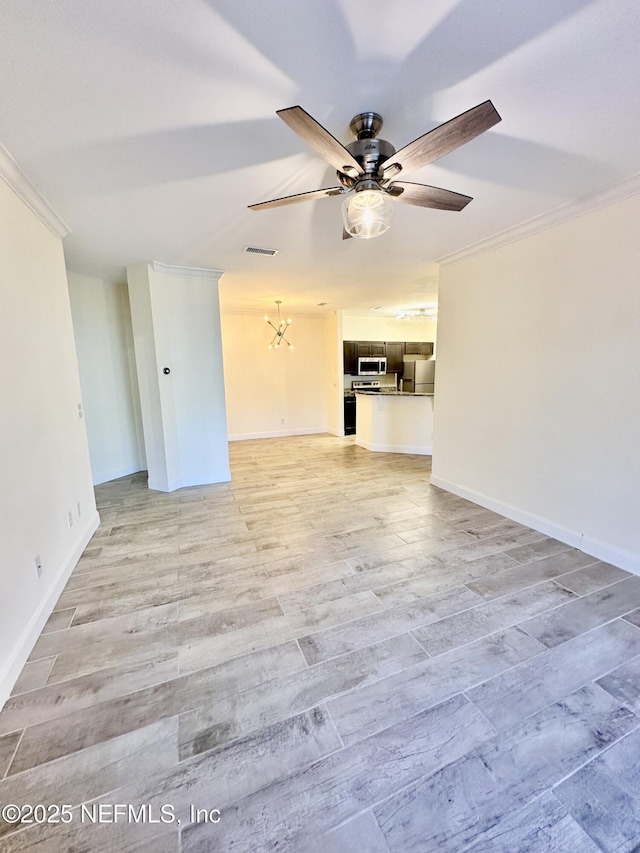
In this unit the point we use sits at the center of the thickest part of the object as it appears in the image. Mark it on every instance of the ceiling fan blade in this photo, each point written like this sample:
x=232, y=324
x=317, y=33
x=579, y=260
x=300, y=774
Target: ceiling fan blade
x=425, y=196
x=293, y=199
x=322, y=142
x=443, y=139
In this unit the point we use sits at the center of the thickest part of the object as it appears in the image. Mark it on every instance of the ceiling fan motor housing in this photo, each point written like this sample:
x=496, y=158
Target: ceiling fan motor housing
x=370, y=154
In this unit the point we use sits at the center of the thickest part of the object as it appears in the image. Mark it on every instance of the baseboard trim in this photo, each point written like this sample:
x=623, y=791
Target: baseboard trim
x=163, y=485
x=247, y=436
x=18, y=657
x=611, y=554
x=108, y=476
x=174, y=485
x=601, y=550
x=394, y=448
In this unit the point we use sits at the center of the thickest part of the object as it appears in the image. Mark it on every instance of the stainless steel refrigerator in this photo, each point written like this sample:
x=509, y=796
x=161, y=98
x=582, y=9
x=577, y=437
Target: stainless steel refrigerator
x=419, y=376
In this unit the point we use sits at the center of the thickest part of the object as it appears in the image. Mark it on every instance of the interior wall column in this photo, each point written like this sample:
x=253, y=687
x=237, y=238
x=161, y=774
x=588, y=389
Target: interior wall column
x=175, y=315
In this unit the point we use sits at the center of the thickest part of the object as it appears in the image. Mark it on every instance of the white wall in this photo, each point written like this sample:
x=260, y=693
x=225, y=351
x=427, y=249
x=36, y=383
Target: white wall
x=45, y=461
x=104, y=344
x=387, y=329
x=538, y=405
x=176, y=325
x=334, y=377
x=274, y=392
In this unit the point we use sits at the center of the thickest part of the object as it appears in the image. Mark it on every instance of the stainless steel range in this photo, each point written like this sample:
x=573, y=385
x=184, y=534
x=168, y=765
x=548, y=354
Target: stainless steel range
x=366, y=385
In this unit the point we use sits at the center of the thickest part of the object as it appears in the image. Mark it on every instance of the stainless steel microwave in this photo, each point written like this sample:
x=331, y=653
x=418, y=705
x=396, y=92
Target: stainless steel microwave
x=372, y=366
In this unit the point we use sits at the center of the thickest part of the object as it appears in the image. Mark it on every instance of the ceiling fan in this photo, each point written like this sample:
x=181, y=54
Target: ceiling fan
x=367, y=168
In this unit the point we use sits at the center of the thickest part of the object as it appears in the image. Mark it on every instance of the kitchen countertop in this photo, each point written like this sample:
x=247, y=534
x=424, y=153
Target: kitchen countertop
x=393, y=393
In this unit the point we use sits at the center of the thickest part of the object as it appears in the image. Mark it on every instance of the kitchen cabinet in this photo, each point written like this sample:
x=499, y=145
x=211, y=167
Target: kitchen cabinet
x=353, y=350
x=394, y=353
x=350, y=357
x=367, y=348
x=419, y=348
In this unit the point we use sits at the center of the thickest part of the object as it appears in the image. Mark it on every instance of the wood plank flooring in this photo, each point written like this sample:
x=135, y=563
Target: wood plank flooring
x=329, y=655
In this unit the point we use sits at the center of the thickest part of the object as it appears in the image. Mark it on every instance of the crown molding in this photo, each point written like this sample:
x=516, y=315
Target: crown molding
x=186, y=272
x=15, y=178
x=565, y=213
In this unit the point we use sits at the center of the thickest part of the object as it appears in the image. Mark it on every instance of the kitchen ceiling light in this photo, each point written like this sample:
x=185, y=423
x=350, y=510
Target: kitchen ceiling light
x=367, y=212
x=279, y=330
x=419, y=314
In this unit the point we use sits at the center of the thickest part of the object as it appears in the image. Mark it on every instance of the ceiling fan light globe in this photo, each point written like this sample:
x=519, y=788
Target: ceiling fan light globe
x=367, y=213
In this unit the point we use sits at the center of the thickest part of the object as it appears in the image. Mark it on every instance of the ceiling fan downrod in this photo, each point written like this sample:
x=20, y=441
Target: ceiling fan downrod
x=366, y=125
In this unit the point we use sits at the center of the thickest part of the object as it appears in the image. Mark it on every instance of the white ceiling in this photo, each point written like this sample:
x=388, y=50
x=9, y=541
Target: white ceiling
x=150, y=126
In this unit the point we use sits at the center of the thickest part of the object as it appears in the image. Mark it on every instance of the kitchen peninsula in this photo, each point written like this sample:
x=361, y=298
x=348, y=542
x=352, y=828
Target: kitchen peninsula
x=395, y=422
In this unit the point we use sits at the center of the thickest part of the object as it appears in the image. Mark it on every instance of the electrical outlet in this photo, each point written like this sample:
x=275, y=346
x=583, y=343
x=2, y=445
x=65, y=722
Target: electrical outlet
x=78, y=509
x=80, y=412
x=37, y=563
x=281, y=420
x=70, y=518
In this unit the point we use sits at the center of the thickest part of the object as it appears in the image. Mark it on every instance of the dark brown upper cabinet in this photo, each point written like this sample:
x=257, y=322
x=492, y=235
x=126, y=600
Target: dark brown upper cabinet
x=395, y=351
x=419, y=348
x=350, y=350
x=367, y=348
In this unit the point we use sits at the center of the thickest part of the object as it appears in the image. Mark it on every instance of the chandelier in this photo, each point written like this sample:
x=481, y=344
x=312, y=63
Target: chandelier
x=279, y=330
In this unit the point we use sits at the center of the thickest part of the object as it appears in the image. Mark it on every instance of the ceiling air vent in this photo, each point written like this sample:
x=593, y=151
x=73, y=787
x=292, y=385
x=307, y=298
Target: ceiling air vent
x=256, y=250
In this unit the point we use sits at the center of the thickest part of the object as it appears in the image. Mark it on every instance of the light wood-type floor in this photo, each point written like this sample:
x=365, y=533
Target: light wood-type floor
x=335, y=656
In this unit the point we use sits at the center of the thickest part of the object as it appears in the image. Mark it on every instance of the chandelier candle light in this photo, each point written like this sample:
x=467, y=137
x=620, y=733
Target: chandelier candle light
x=279, y=330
